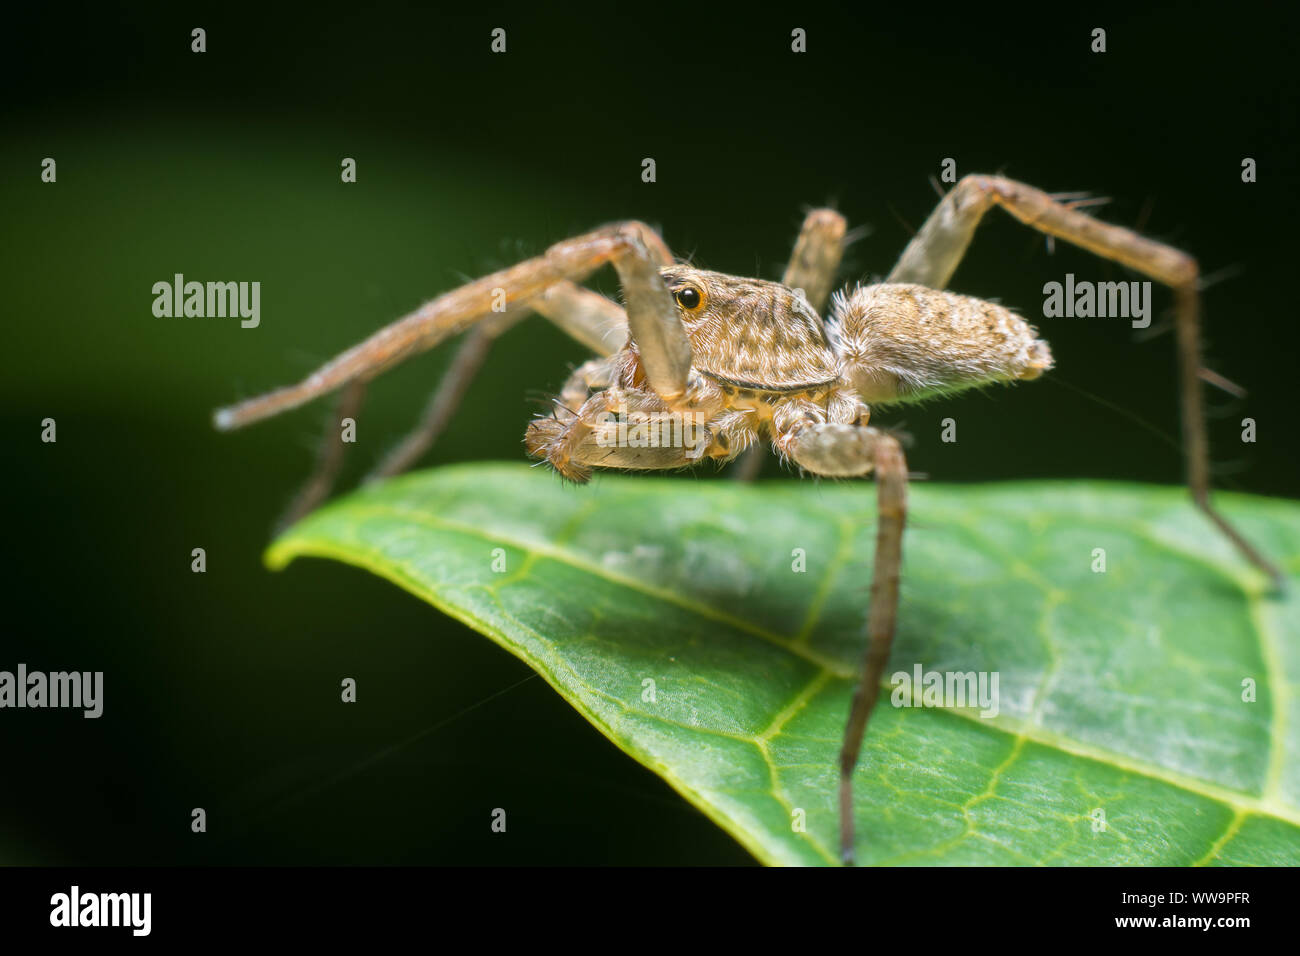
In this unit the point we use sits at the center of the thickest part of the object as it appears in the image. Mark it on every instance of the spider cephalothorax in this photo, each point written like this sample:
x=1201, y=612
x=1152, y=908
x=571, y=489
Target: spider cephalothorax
x=700, y=364
x=751, y=334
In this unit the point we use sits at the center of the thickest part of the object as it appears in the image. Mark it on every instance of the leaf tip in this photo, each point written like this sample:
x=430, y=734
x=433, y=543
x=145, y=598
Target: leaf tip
x=279, y=554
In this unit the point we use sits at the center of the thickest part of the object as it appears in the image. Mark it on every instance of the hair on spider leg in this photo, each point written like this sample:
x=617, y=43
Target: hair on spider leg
x=537, y=396
x=1144, y=214
x=1132, y=416
x=559, y=406
x=832, y=203
x=513, y=250
x=308, y=436
x=1211, y=377
x=1204, y=373
x=1223, y=471
x=1219, y=412
x=1063, y=197
x=898, y=216
x=898, y=431
x=1166, y=324
x=542, y=406
x=1155, y=329
x=551, y=410
x=1207, y=375
x=857, y=234
x=1226, y=468
x=1210, y=279
x=1087, y=201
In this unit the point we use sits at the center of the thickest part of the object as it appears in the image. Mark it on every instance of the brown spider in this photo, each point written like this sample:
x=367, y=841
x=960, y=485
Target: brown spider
x=731, y=359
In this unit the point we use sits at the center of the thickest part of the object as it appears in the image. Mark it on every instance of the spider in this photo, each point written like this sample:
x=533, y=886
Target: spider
x=739, y=359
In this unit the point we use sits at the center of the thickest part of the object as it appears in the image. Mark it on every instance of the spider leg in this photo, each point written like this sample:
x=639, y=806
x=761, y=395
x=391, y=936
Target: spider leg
x=634, y=250
x=933, y=254
x=446, y=398
x=847, y=450
x=812, y=267
x=489, y=307
x=585, y=316
x=631, y=429
x=816, y=256
x=593, y=376
x=329, y=457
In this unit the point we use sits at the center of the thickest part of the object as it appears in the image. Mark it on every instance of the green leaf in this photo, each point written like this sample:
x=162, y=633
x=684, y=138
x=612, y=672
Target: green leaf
x=1120, y=692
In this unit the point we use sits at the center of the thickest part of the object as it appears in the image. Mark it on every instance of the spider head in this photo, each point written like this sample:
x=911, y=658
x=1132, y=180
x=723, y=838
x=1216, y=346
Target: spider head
x=750, y=330
x=711, y=298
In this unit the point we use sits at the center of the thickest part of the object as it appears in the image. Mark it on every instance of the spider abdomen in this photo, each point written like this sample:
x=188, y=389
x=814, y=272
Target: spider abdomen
x=903, y=343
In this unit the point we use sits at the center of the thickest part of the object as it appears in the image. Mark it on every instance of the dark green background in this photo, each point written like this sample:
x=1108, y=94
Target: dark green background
x=222, y=688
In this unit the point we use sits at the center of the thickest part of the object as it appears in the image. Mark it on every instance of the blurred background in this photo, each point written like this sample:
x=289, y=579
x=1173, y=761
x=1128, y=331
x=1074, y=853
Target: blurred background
x=222, y=688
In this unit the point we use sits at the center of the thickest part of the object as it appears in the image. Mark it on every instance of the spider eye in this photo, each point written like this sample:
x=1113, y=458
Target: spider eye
x=688, y=298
